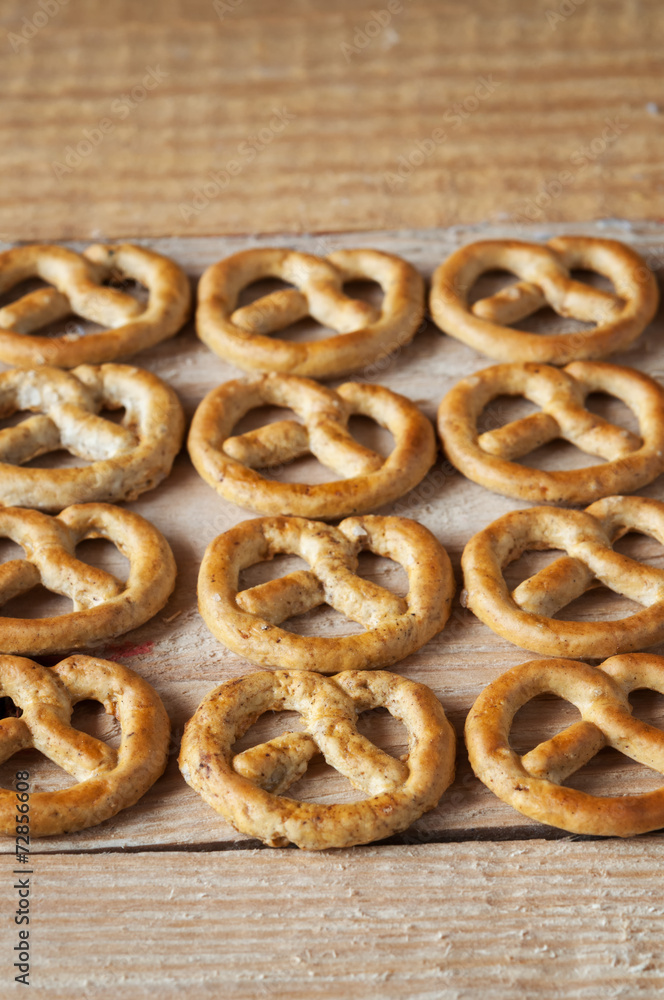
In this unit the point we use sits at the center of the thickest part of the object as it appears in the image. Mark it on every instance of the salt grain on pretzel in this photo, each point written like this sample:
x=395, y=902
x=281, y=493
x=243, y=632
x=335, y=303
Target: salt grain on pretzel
x=544, y=274
x=243, y=335
x=104, y=606
x=248, y=788
x=525, y=616
x=368, y=480
x=631, y=461
x=533, y=783
x=78, y=289
x=107, y=780
x=125, y=458
x=247, y=620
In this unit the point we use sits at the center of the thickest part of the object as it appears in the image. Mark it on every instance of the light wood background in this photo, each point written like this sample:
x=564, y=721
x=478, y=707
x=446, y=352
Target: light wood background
x=360, y=100
x=549, y=113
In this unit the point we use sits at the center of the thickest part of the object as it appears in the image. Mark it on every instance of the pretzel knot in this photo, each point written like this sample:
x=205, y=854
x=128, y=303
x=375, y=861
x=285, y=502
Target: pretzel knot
x=525, y=616
x=545, y=279
x=104, y=606
x=241, y=335
x=247, y=789
x=247, y=621
x=369, y=480
x=127, y=458
x=487, y=459
x=108, y=780
x=78, y=289
x=532, y=783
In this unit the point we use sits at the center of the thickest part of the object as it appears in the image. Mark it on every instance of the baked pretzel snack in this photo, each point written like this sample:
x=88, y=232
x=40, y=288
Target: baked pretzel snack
x=247, y=789
x=126, y=459
x=545, y=279
x=78, y=289
x=525, y=616
x=369, y=480
x=533, y=783
x=488, y=459
x=247, y=621
x=103, y=605
x=108, y=780
x=242, y=336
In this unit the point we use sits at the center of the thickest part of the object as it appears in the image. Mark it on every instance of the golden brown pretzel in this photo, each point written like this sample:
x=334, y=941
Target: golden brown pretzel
x=108, y=780
x=247, y=789
x=545, y=279
x=247, y=621
x=77, y=289
x=103, y=605
x=227, y=463
x=532, y=783
x=631, y=461
x=363, y=332
x=126, y=459
x=525, y=616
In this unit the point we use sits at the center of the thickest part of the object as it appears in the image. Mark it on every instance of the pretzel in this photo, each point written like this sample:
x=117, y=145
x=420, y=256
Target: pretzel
x=103, y=605
x=631, y=461
x=532, y=783
x=525, y=616
x=247, y=789
x=126, y=458
x=545, y=279
x=363, y=332
x=78, y=289
x=227, y=463
x=247, y=621
x=108, y=780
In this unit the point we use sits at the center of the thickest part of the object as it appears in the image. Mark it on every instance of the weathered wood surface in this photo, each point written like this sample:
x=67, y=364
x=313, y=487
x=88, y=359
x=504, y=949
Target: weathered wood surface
x=193, y=117
x=561, y=921
x=178, y=655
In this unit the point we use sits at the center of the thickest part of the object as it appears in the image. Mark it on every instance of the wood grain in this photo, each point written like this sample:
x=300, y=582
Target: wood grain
x=178, y=655
x=564, y=920
x=423, y=114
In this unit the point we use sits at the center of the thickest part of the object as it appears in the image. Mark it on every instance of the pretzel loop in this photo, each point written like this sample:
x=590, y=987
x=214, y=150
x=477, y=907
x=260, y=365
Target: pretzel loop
x=247, y=620
x=247, y=788
x=545, y=279
x=108, y=780
x=525, y=616
x=488, y=459
x=531, y=783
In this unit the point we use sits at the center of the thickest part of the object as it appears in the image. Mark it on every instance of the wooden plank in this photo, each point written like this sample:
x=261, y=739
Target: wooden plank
x=178, y=655
x=563, y=920
x=190, y=118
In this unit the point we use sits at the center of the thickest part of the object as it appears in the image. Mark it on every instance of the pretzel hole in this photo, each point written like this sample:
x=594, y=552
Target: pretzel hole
x=559, y=455
x=614, y=410
x=364, y=290
x=130, y=286
x=260, y=288
x=20, y=289
x=528, y=564
x=321, y=621
x=593, y=278
x=10, y=550
x=37, y=603
x=490, y=282
x=539, y=720
x=503, y=410
x=597, y=605
x=102, y=554
x=642, y=548
x=385, y=572
x=8, y=710
x=372, y=434
x=281, y=565
x=60, y=458
x=91, y=717
x=610, y=772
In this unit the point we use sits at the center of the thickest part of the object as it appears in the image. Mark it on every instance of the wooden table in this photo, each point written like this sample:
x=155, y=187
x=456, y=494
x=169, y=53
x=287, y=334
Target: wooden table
x=474, y=897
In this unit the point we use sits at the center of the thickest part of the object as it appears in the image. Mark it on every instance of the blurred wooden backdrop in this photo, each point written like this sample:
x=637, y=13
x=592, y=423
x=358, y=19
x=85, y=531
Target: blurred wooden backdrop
x=197, y=117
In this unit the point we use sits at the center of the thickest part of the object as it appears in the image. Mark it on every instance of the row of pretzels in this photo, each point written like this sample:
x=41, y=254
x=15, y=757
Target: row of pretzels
x=130, y=458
